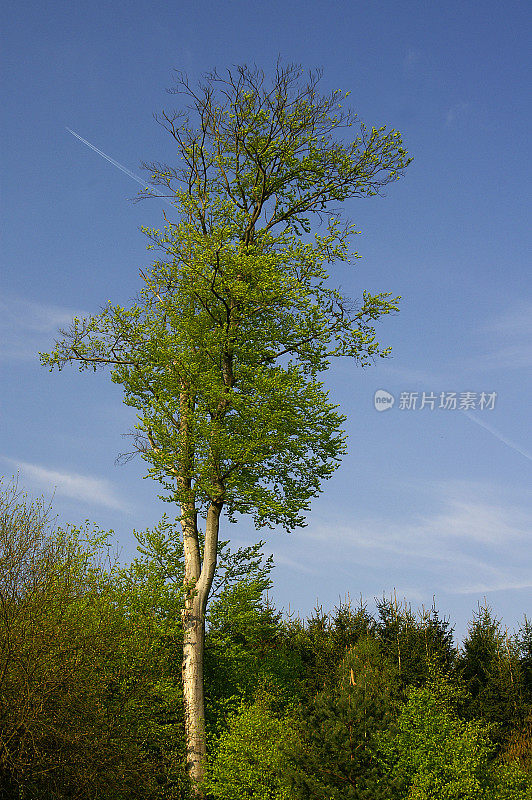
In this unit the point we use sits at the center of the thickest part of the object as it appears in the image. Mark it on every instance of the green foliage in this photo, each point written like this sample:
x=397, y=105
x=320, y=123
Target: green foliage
x=518, y=745
x=510, y=782
x=416, y=643
x=322, y=641
x=272, y=149
x=348, y=625
x=74, y=667
x=91, y=698
x=221, y=352
x=154, y=579
x=219, y=357
x=247, y=653
x=249, y=760
x=524, y=643
x=435, y=755
x=153, y=585
x=338, y=755
x=490, y=665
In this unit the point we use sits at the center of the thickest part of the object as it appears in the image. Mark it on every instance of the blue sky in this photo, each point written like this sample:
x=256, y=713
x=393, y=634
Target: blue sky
x=429, y=502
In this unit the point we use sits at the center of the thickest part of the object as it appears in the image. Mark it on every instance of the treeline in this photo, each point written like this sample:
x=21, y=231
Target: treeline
x=341, y=705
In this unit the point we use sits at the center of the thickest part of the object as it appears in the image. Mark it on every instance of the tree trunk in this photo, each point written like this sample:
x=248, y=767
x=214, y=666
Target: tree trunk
x=194, y=701
x=199, y=585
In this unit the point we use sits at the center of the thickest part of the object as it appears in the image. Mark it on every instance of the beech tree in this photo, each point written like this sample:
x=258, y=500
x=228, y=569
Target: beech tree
x=221, y=352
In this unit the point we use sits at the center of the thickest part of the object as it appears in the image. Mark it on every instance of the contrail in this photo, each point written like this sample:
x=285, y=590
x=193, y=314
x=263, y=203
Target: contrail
x=498, y=435
x=116, y=164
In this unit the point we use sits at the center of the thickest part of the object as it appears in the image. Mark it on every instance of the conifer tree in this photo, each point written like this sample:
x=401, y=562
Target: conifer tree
x=489, y=664
x=416, y=643
x=338, y=757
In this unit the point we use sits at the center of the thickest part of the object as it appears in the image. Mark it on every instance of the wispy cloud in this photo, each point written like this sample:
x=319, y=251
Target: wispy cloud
x=85, y=488
x=27, y=327
x=504, y=583
x=294, y=564
x=515, y=356
x=474, y=540
x=434, y=537
x=516, y=322
x=511, y=336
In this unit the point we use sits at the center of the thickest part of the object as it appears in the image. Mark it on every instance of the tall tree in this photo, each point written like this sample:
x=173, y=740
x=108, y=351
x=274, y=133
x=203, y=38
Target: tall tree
x=220, y=355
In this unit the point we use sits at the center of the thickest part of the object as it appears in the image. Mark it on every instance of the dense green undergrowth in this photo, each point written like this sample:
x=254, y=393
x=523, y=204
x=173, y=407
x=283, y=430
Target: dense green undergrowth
x=340, y=705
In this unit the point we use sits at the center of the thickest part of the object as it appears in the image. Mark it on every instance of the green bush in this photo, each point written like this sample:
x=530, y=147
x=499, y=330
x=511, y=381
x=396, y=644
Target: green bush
x=248, y=762
x=74, y=666
x=434, y=755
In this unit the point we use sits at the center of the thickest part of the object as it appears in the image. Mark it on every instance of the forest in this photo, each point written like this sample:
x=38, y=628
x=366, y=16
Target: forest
x=343, y=704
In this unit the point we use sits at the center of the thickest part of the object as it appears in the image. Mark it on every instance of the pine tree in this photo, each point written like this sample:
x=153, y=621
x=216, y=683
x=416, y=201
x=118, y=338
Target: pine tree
x=415, y=643
x=489, y=664
x=338, y=756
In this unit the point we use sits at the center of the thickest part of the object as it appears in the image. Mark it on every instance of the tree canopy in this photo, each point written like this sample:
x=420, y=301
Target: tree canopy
x=221, y=352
